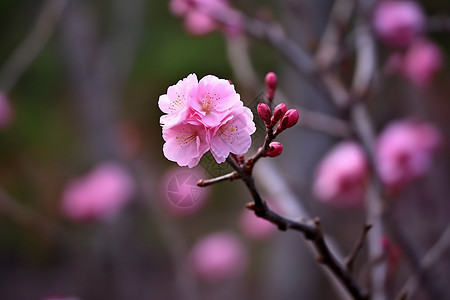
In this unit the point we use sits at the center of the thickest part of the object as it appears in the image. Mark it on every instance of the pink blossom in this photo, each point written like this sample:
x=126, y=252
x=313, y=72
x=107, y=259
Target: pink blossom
x=200, y=15
x=404, y=151
x=254, y=227
x=421, y=62
x=6, y=111
x=186, y=142
x=218, y=256
x=341, y=176
x=213, y=99
x=209, y=115
x=174, y=103
x=398, y=22
x=98, y=195
x=233, y=134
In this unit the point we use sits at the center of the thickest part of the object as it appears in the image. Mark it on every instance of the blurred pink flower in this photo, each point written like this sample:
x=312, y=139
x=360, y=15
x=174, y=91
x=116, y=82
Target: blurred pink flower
x=341, y=176
x=254, y=227
x=180, y=193
x=398, y=22
x=101, y=194
x=201, y=116
x=421, y=61
x=200, y=15
x=404, y=151
x=218, y=256
x=6, y=111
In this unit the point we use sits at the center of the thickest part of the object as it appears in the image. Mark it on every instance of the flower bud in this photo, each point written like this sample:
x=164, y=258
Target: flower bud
x=264, y=112
x=271, y=85
x=275, y=149
x=290, y=118
x=278, y=112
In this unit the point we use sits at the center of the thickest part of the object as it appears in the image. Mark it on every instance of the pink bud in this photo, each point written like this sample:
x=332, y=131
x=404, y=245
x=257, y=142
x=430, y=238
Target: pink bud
x=264, y=112
x=275, y=149
x=271, y=85
x=278, y=112
x=290, y=118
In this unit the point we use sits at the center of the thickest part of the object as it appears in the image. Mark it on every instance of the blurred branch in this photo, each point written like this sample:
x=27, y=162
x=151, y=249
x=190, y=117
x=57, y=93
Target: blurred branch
x=119, y=46
x=328, y=48
x=349, y=261
x=239, y=58
x=30, y=219
x=429, y=260
x=413, y=256
x=32, y=45
x=324, y=123
x=438, y=23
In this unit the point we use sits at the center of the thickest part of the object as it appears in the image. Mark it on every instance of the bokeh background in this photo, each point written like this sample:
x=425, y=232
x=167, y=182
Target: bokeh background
x=83, y=79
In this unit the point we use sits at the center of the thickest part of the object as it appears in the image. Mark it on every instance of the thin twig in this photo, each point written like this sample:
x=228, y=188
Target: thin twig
x=329, y=47
x=206, y=182
x=430, y=259
x=350, y=260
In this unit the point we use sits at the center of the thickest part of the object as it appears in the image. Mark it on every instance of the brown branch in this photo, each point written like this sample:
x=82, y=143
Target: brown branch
x=206, y=182
x=311, y=230
x=349, y=261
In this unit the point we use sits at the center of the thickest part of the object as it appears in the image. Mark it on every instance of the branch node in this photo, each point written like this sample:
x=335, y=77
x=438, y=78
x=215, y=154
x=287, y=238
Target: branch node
x=250, y=206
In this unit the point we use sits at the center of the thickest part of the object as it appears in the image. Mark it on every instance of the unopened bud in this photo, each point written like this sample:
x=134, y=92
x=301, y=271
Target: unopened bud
x=290, y=118
x=271, y=85
x=278, y=113
x=264, y=112
x=275, y=149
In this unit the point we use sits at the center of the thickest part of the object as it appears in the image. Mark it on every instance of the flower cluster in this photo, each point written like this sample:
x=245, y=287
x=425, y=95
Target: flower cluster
x=204, y=115
x=404, y=152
